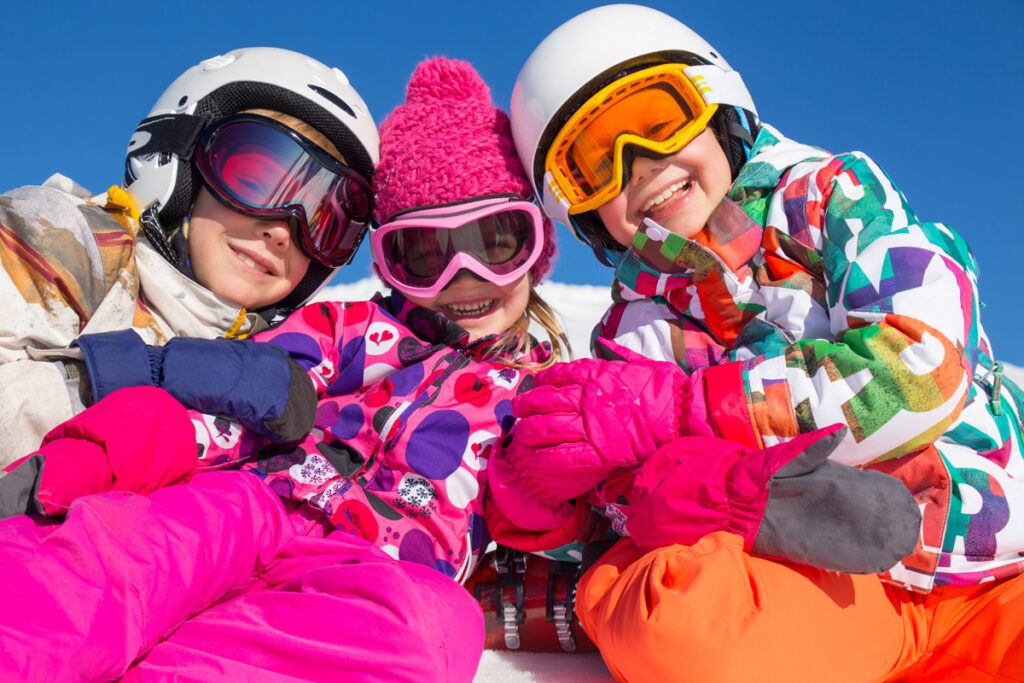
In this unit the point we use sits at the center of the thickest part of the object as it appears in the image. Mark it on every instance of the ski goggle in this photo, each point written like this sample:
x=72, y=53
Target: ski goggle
x=659, y=109
x=261, y=167
x=497, y=238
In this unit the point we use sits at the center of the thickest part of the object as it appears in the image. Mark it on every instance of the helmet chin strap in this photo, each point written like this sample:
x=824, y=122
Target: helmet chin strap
x=173, y=249
x=153, y=230
x=589, y=227
x=730, y=126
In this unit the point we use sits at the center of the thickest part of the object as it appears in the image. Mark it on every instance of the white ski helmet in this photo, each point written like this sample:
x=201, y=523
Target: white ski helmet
x=590, y=51
x=159, y=175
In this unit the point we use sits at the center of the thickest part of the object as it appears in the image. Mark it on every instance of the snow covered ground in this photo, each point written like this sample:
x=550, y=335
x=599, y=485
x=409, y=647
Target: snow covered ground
x=580, y=306
x=541, y=667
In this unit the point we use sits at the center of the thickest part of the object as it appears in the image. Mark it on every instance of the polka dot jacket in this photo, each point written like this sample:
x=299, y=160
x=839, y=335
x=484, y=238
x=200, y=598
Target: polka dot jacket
x=407, y=415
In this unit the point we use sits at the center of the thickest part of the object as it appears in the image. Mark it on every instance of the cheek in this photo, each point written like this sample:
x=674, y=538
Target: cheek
x=618, y=225
x=201, y=239
x=720, y=175
x=517, y=297
x=712, y=165
x=420, y=301
x=298, y=265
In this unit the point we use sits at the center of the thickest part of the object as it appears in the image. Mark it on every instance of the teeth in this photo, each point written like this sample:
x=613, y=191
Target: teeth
x=463, y=309
x=252, y=264
x=669, y=191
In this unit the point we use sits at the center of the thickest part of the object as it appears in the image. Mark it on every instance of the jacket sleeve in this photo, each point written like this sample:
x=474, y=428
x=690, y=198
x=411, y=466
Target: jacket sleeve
x=60, y=257
x=895, y=366
x=655, y=330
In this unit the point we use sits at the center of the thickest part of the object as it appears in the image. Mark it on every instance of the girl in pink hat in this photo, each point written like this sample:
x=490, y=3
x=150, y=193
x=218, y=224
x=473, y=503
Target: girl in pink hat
x=338, y=556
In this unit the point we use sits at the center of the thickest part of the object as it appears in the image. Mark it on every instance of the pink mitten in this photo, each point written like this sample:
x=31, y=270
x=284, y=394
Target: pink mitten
x=695, y=486
x=137, y=439
x=586, y=419
x=787, y=501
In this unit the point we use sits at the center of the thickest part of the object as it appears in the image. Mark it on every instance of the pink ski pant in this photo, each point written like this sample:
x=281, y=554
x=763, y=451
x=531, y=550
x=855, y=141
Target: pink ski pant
x=215, y=579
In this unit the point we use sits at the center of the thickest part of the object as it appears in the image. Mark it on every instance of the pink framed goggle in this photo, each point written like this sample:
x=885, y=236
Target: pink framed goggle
x=421, y=250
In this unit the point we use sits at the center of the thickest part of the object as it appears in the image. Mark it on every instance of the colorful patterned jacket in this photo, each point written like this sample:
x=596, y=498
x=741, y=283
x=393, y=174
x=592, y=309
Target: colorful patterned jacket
x=818, y=297
x=71, y=263
x=408, y=413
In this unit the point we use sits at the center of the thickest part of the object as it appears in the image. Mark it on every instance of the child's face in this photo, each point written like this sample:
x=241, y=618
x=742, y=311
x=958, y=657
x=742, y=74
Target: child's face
x=678, y=192
x=248, y=261
x=482, y=308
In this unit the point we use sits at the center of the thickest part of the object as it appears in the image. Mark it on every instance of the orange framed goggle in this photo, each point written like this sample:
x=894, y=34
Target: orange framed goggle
x=658, y=108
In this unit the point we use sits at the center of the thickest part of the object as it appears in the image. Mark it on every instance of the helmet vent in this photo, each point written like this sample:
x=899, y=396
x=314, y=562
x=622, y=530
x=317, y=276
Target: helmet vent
x=334, y=99
x=183, y=100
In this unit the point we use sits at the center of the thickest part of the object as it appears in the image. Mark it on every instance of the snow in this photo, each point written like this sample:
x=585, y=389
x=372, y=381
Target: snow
x=500, y=666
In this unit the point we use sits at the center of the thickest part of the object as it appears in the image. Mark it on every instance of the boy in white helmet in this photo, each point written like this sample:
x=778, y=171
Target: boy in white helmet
x=211, y=239
x=797, y=291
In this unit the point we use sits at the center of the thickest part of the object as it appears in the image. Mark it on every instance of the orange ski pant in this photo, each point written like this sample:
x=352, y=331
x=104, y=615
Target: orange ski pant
x=710, y=612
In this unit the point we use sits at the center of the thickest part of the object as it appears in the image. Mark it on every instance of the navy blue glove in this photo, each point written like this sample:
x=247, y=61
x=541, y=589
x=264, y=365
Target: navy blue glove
x=257, y=384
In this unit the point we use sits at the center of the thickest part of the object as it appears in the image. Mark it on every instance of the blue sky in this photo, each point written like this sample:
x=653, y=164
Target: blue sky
x=931, y=90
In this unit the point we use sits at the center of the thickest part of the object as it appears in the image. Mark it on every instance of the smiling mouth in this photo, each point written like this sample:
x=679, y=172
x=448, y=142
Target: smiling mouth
x=251, y=263
x=676, y=189
x=475, y=309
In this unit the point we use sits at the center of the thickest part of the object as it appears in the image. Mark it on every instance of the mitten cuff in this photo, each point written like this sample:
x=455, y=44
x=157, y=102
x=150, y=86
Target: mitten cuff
x=727, y=406
x=118, y=359
x=506, y=532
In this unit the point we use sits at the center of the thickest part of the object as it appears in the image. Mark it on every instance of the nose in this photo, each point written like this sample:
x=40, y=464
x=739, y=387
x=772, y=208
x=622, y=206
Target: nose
x=464, y=275
x=642, y=168
x=276, y=234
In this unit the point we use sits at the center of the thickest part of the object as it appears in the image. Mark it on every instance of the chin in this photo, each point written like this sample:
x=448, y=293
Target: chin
x=481, y=330
x=246, y=299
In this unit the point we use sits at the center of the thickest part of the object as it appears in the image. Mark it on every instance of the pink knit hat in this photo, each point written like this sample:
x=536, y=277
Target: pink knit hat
x=447, y=143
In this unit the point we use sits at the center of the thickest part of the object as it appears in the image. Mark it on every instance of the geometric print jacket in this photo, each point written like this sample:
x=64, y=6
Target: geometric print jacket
x=815, y=296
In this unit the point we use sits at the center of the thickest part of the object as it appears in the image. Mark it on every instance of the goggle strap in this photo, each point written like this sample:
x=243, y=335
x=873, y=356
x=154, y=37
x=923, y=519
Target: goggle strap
x=740, y=131
x=176, y=134
x=717, y=86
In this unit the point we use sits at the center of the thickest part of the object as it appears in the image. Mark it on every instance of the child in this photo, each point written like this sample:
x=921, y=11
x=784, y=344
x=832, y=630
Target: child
x=167, y=257
x=413, y=388
x=798, y=290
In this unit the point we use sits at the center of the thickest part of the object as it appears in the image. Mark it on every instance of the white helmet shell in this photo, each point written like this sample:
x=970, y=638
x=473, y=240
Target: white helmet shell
x=157, y=170
x=579, y=56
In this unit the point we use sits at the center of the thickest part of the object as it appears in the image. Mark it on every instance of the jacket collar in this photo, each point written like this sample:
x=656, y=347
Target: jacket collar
x=430, y=326
x=436, y=328
x=659, y=261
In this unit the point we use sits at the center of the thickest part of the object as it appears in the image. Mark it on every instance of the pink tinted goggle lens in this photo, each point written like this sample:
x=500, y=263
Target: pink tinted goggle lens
x=261, y=167
x=497, y=239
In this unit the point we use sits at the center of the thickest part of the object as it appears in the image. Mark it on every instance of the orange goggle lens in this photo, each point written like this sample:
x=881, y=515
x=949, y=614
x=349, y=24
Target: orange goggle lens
x=657, y=108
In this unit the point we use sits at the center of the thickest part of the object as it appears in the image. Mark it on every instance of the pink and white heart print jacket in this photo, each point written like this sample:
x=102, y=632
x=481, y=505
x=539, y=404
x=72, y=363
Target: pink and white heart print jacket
x=408, y=413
